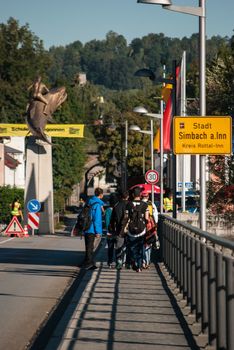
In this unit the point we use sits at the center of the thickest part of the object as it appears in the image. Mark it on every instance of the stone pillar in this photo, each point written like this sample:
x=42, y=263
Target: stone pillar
x=39, y=182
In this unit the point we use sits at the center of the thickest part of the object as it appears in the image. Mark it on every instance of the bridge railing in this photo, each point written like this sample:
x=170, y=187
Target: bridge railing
x=202, y=268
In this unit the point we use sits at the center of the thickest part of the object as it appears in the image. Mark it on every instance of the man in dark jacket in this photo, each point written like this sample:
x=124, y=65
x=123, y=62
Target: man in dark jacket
x=117, y=228
x=138, y=216
x=95, y=229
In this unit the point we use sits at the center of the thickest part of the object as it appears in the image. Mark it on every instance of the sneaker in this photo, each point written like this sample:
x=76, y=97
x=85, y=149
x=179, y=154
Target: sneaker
x=138, y=270
x=118, y=266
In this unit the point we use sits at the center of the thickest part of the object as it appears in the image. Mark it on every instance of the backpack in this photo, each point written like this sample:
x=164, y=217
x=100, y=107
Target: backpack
x=84, y=219
x=136, y=220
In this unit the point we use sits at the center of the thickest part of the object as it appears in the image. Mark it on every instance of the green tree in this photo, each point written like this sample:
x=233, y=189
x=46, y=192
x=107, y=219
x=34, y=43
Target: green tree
x=7, y=195
x=220, y=96
x=21, y=57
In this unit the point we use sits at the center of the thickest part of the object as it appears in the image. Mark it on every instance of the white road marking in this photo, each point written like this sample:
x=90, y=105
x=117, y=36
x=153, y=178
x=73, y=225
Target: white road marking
x=9, y=239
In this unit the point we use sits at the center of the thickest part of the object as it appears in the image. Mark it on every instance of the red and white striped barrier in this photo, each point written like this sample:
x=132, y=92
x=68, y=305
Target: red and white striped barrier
x=33, y=221
x=25, y=234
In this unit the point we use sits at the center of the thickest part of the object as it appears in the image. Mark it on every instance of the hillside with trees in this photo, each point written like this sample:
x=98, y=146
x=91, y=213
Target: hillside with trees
x=110, y=65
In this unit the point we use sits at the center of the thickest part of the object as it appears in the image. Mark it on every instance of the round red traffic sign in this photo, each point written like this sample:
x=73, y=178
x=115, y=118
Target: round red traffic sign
x=151, y=177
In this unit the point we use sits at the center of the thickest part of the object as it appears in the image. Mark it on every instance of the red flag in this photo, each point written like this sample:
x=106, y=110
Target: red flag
x=167, y=121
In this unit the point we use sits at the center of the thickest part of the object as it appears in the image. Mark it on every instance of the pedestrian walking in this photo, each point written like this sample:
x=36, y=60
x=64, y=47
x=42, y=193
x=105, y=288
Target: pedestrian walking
x=138, y=216
x=16, y=210
x=117, y=227
x=111, y=238
x=151, y=229
x=95, y=228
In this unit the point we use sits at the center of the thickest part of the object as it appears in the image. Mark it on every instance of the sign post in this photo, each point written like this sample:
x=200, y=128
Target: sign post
x=33, y=207
x=14, y=228
x=152, y=177
x=202, y=135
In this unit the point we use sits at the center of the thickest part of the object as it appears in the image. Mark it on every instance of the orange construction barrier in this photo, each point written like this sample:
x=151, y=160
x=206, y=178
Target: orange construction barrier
x=25, y=234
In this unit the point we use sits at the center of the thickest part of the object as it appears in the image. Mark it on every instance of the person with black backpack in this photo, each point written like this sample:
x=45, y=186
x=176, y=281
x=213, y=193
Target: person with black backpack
x=138, y=216
x=117, y=225
x=94, y=229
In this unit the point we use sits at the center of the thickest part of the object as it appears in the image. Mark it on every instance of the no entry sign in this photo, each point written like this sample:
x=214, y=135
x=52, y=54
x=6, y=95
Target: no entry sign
x=151, y=177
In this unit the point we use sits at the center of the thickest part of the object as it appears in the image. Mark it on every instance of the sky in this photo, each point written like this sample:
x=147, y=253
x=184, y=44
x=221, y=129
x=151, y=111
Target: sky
x=60, y=22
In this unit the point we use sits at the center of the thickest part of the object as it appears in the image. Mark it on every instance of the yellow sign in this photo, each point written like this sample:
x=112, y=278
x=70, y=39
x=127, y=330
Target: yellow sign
x=53, y=130
x=202, y=135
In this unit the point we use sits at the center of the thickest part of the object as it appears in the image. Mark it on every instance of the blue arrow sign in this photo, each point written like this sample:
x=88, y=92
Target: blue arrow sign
x=33, y=206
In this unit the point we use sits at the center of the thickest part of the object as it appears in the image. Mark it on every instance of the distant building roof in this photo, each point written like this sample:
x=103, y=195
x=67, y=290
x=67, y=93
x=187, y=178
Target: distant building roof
x=12, y=150
x=10, y=162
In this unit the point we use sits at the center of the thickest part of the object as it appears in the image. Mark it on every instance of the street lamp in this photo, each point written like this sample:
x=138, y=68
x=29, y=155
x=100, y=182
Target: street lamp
x=151, y=133
x=199, y=11
x=143, y=110
x=124, y=151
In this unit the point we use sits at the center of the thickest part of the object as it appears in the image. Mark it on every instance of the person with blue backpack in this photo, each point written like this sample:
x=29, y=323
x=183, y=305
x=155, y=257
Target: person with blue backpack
x=94, y=230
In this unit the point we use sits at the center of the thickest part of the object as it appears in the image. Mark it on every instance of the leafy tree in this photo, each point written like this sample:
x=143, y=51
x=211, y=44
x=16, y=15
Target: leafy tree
x=7, y=195
x=21, y=57
x=220, y=87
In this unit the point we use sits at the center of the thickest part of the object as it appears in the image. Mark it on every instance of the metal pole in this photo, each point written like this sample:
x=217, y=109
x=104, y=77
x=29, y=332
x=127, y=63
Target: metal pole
x=202, y=47
x=183, y=113
x=174, y=170
x=126, y=156
x=161, y=157
x=152, y=154
x=143, y=160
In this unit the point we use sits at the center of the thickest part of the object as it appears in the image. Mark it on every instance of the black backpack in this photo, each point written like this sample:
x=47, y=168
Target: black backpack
x=84, y=219
x=136, y=219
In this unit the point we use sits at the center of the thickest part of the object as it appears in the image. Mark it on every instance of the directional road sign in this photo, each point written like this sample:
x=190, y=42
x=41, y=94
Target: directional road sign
x=33, y=206
x=151, y=177
x=202, y=135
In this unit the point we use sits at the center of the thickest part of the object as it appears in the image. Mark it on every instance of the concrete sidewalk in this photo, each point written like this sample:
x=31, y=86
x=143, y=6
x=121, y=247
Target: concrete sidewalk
x=122, y=310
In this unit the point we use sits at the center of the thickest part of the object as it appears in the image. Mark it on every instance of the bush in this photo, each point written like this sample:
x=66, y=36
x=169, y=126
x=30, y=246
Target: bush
x=7, y=195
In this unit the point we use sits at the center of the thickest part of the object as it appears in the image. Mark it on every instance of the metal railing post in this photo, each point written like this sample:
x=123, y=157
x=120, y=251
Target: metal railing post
x=229, y=303
x=202, y=266
x=204, y=286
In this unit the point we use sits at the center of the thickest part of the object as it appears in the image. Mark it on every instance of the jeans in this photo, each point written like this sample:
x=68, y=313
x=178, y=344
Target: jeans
x=89, y=246
x=136, y=245
x=120, y=250
x=111, y=247
x=147, y=254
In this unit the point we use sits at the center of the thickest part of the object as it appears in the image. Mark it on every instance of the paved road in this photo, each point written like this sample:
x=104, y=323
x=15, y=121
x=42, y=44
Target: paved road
x=34, y=272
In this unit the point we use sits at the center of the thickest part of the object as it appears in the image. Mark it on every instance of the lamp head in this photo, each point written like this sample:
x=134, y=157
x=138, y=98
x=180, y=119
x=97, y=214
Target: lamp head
x=145, y=72
x=140, y=109
x=156, y=2
x=134, y=128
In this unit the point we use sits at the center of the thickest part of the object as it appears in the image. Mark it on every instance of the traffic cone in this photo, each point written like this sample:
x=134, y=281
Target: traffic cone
x=25, y=234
